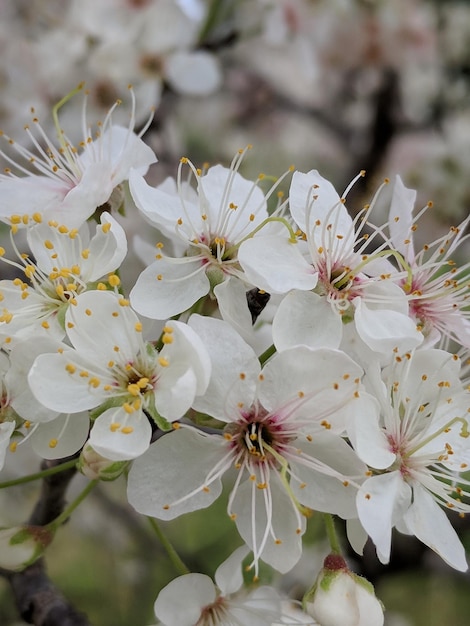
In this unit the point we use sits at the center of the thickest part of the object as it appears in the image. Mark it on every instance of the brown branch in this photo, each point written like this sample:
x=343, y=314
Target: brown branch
x=38, y=601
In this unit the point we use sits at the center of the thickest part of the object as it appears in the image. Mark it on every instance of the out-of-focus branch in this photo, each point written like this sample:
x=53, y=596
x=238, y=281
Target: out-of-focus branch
x=39, y=602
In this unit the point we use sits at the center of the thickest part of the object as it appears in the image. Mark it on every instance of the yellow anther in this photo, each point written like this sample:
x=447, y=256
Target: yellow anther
x=94, y=382
x=84, y=374
x=101, y=287
x=63, y=229
x=127, y=430
x=53, y=443
x=15, y=219
x=114, y=427
x=167, y=338
x=73, y=233
x=70, y=368
x=13, y=446
x=124, y=302
x=138, y=327
x=49, y=245
x=128, y=408
x=168, y=329
x=44, y=324
x=37, y=217
x=133, y=389
x=85, y=253
x=106, y=227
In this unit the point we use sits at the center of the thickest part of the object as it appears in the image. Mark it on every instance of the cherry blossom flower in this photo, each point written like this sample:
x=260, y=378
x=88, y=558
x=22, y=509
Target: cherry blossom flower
x=208, y=224
x=112, y=369
x=281, y=437
x=221, y=604
x=70, y=183
x=349, y=286
x=436, y=287
x=414, y=434
x=66, y=262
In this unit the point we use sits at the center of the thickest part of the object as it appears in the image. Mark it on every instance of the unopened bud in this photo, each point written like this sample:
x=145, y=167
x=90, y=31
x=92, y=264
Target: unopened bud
x=22, y=545
x=341, y=598
x=97, y=467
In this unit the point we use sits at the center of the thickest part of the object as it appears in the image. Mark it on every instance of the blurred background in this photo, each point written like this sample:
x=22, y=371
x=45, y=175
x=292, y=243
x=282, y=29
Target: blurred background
x=333, y=85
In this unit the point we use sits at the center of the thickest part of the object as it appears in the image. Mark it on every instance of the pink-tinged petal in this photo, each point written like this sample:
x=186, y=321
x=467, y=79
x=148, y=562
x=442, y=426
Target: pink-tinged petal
x=367, y=437
x=220, y=340
x=193, y=73
x=276, y=265
x=182, y=461
x=260, y=510
x=401, y=219
x=180, y=603
x=229, y=575
x=169, y=287
x=428, y=522
x=120, y=436
x=304, y=318
x=62, y=437
x=99, y=323
x=380, y=500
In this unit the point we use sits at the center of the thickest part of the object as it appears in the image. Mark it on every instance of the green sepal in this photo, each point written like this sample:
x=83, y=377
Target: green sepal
x=161, y=422
x=108, y=404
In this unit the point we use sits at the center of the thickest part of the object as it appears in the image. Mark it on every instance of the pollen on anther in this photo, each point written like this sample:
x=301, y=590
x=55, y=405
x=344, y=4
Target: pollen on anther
x=53, y=443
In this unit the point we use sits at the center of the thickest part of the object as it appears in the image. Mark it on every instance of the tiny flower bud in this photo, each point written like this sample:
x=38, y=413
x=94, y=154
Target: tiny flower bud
x=22, y=545
x=341, y=598
x=94, y=466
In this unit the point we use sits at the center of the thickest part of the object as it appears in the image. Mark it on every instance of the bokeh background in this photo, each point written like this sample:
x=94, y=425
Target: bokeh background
x=333, y=85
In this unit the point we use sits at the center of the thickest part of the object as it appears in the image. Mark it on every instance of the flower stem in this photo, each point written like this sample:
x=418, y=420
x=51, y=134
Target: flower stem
x=64, y=516
x=331, y=533
x=170, y=550
x=38, y=475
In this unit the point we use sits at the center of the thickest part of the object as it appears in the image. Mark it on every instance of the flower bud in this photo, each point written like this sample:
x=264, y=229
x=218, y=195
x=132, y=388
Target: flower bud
x=341, y=598
x=22, y=545
x=94, y=466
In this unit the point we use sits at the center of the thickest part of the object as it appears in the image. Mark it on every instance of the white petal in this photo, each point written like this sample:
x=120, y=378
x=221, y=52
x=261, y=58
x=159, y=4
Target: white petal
x=48, y=375
x=181, y=460
x=231, y=359
x=176, y=390
x=98, y=323
x=180, y=603
x=168, y=288
x=251, y=504
x=193, y=73
x=69, y=433
x=379, y=500
x=305, y=318
x=6, y=430
x=401, y=219
x=107, y=249
x=366, y=435
x=276, y=265
x=121, y=444
x=229, y=575
x=428, y=522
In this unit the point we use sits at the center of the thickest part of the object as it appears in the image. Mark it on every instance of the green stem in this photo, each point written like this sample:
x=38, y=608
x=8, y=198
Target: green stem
x=331, y=533
x=170, y=550
x=38, y=475
x=64, y=516
x=266, y=354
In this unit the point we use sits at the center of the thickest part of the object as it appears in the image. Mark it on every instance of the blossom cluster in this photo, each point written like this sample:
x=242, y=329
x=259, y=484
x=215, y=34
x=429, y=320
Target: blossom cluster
x=274, y=346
